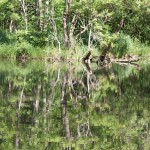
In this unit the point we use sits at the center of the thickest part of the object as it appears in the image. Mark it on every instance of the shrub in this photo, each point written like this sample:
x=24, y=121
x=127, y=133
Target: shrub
x=122, y=45
x=3, y=37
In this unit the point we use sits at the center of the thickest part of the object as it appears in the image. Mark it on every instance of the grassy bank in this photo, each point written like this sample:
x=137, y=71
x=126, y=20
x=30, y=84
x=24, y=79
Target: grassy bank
x=121, y=46
x=12, y=50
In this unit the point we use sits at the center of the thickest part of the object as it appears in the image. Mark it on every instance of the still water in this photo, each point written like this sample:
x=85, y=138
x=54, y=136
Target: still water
x=65, y=106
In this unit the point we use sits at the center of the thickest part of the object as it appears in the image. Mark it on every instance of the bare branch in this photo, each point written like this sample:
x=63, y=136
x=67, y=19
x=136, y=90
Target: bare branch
x=82, y=31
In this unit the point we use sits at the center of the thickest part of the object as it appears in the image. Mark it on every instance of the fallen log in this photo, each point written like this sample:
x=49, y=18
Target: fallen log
x=125, y=60
x=104, y=60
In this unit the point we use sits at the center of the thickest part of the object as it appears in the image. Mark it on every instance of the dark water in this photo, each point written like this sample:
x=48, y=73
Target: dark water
x=61, y=106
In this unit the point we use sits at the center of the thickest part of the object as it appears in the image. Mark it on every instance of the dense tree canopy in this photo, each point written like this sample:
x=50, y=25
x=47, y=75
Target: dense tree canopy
x=48, y=21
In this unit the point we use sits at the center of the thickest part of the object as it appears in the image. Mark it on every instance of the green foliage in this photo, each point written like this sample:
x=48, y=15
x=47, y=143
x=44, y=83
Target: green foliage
x=12, y=51
x=122, y=45
x=3, y=37
x=135, y=16
x=39, y=39
x=139, y=48
x=7, y=51
x=3, y=2
x=105, y=19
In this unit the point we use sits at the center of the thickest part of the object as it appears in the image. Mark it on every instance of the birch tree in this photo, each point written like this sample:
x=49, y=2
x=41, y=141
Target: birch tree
x=25, y=13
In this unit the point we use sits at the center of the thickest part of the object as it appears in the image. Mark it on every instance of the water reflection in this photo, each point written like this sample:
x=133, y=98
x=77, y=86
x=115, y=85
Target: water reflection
x=45, y=106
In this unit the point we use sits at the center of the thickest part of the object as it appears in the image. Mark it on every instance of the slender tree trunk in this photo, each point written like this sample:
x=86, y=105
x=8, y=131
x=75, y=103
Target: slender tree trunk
x=53, y=23
x=78, y=130
x=66, y=22
x=25, y=14
x=41, y=14
x=46, y=15
x=37, y=14
x=12, y=25
x=66, y=40
x=72, y=27
x=89, y=40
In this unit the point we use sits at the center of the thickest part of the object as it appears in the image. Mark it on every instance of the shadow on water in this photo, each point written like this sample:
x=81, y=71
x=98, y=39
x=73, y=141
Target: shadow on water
x=62, y=106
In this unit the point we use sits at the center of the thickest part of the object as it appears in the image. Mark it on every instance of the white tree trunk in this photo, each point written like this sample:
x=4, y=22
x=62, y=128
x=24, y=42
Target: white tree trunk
x=41, y=14
x=25, y=14
x=12, y=25
x=46, y=15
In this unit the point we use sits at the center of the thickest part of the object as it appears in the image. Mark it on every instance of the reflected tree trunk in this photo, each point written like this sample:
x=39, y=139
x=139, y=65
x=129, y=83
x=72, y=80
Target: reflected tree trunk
x=36, y=98
x=44, y=112
x=17, y=141
x=17, y=126
x=53, y=85
x=22, y=93
x=88, y=132
x=88, y=84
x=64, y=108
x=35, y=109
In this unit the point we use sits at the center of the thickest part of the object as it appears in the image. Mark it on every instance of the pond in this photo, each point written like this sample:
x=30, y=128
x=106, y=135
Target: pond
x=65, y=106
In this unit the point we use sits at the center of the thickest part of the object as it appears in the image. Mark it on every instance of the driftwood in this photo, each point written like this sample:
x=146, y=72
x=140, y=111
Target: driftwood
x=126, y=60
x=104, y=59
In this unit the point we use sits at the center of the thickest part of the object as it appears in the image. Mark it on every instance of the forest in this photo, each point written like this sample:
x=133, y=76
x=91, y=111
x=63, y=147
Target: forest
x=69, y=28
x=74, y=74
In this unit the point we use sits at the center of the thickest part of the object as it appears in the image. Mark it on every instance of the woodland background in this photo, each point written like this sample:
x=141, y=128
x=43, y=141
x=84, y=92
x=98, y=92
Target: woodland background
x=42, y=27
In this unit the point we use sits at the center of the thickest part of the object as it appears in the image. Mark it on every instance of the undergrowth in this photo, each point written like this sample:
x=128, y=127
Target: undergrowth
x=122, y=45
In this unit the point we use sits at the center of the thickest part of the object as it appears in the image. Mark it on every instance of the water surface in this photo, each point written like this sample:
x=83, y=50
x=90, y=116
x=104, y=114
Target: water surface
x=64, y=106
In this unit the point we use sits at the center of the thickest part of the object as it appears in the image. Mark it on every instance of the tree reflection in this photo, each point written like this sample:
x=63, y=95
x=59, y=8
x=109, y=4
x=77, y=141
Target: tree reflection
x=68, y=107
